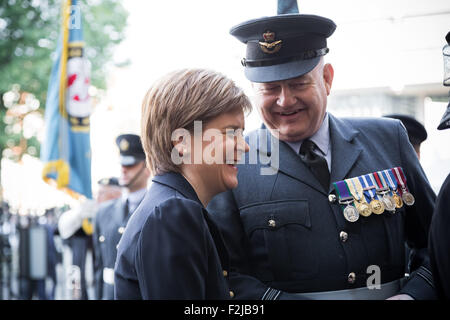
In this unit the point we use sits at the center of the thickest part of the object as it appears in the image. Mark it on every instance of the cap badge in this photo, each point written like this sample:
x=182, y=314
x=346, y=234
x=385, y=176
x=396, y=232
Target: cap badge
x=124, y=145
x=270, y=45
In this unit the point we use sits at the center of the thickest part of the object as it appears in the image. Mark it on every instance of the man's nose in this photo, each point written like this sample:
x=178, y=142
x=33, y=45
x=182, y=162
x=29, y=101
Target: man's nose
x=286, y=97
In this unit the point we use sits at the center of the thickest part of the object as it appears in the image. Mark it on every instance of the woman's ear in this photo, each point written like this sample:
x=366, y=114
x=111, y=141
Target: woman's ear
x=181, y=148
x=181, y=141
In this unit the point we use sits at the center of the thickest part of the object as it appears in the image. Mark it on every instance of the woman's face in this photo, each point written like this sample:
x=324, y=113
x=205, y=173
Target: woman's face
x=223, y=146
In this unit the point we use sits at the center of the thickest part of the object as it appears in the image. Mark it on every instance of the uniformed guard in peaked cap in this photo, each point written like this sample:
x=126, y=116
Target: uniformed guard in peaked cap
x=131, y=151
x=284, y=46
x=416, y=131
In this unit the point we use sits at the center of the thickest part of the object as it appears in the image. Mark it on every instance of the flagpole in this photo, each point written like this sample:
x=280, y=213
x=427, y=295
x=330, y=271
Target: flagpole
x=64, y=54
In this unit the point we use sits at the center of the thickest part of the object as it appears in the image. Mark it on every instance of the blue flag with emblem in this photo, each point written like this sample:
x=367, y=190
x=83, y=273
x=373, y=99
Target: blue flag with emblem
x=287, y=6
x=66, y=149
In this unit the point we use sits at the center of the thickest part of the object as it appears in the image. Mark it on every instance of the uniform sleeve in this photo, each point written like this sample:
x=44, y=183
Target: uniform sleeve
x=223, y=210
x=439, y=243
x=98, y=261
x=417, y=222
x=172, y=251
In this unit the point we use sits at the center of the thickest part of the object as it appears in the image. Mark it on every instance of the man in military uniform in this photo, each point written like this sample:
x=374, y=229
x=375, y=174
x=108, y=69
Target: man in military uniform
x=75, y=226
x=416, y=131
x=112, y=216
x=284, y=228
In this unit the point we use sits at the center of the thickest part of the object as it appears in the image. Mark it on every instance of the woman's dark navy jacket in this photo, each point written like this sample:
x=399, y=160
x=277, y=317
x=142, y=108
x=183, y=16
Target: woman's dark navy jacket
x=170, y=248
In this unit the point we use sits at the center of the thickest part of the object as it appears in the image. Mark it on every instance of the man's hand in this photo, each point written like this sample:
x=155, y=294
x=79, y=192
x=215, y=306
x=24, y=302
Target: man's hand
x=88, y=209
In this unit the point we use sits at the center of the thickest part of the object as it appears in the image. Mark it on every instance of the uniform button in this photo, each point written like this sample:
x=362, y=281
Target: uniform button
x=272, y=223
x=332, y=198
x=231, y=294
x=343, y=236
x=101, y=238
x=225, y=273
x=117, y=247
x=351, y=277
x=121, y=230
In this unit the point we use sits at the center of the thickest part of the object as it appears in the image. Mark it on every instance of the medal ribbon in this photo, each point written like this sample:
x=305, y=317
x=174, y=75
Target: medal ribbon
x=383, y=181
x=378, y=183
x=368, y=193
x=387, y=178
x=356, y=188
x=352, y=189
x=392, y=180
x=342, y=190
x=372, y=182
x=403, y=178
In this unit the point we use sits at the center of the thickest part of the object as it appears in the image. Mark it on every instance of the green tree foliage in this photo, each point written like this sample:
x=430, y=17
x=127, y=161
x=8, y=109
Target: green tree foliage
x=29, y=32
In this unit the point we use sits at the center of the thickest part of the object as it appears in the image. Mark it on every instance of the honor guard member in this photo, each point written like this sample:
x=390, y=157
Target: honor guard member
x=416, y=131
x=440, y=225
x=284, y=228
x=112, y=216
x=76, y=226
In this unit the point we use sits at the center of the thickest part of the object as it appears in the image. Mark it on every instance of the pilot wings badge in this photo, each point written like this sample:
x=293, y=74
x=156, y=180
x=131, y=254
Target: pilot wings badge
x=270, y=46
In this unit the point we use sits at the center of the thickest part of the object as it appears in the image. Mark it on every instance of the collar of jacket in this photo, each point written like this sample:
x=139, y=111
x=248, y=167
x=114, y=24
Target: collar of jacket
x=343, y=149
x=176, y=181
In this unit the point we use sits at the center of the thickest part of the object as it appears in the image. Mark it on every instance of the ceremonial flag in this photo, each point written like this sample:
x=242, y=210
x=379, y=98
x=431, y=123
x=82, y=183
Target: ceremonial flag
x=66, y=149
x=287, y=6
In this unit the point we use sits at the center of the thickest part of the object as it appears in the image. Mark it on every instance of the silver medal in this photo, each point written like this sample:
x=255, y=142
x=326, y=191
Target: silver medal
x=389, y=203
x=350, y=213
x=408, y=198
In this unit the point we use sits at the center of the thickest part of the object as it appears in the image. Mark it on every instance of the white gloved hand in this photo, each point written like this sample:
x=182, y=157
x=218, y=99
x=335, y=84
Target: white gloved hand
x=70, y=221
x=88, y=209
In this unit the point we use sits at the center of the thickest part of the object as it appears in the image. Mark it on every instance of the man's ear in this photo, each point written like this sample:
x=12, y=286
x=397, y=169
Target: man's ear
x=328, y=75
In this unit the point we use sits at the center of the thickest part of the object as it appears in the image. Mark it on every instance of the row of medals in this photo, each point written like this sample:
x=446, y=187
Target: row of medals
x=387, y=202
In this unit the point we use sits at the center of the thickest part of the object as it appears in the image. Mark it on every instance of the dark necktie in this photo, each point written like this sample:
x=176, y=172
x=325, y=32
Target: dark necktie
x=316, y=163
x=125, y=210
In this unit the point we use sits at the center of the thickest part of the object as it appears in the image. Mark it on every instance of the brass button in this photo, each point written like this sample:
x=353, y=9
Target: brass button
x=332, y=198
x=121, y=230
x=225, y=273
x=231, y=294
x=343, y=236
x=101, y=238
x=351, y=277
x=272, y=223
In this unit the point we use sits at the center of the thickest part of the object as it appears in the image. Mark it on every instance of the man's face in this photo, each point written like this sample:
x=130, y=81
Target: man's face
x=134, y=177
x=296, y=107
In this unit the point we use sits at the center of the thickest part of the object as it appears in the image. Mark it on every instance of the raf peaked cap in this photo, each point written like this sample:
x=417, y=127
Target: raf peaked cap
x=416, y=131
x=284, y=46
x=130, y=147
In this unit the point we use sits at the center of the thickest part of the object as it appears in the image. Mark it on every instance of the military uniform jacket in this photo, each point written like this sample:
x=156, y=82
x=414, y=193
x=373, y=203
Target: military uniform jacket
x=170, y=248
x=440, y=241
x=285, y=236
x=110, y=222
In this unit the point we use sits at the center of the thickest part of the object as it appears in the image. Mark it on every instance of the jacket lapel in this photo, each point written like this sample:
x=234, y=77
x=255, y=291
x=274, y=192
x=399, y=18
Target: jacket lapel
x=344, y=148
x=344, y=153
x=119, y=212
x=288, y=161
x=176, y=181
